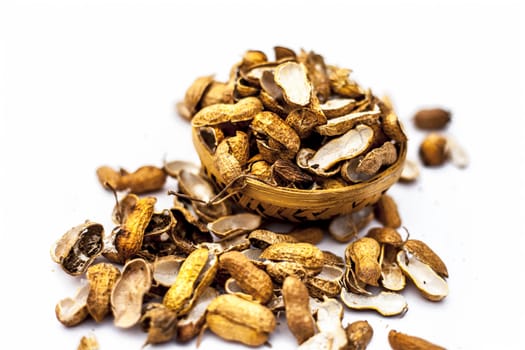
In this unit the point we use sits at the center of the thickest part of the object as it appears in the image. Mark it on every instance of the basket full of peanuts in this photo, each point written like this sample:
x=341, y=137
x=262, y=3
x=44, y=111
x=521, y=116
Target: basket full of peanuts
x=300, y=138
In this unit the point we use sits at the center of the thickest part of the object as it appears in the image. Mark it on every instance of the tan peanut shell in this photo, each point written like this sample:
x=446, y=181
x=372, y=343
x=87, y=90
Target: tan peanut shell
x=88, y=342
x=327, y=283
x=72, y=311
x=226, y=162
x=194, y=95
x=279, y=270
x=297, y=307
x=195, y=275
x=250, y=278
x=101, y=278
x=386, y=235
x=426, y=255
x=263, y=238
x=78, y=247
x=293, y=80
x=431, y=285
x=192, y=323
x=303, y=253
x=270, y=124
x=432, y=118
x=364, y=252
x=237, y=319
x=244, y=110
x=386, y=212
x=128, y=293
x=359, y=335
x=329, y=317
x=159, y=322
x=130, y=235
x=376, y=158
x=433, y=150
x=402, y=341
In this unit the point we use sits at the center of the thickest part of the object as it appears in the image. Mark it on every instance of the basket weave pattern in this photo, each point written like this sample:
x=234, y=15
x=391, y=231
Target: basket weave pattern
x=296, y=205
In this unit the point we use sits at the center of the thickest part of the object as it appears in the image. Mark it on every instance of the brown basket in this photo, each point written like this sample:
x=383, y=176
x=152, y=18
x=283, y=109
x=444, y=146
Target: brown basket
x=297, y=205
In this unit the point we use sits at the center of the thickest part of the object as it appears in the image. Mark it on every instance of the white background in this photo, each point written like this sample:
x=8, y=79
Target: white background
x=87, y=83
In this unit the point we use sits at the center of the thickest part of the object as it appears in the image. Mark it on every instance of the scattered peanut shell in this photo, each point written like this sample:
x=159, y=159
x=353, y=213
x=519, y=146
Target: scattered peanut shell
x=386, y=235
x=429, y=283
x=303, y=253
x=326, y=283
x=263, y=238
x=433, y=150
x=88, y=342
x=426, y=255
x=308, y=234
x=386, y=211
x=174, y=167
x=432, y=118
x=128, y=293
x=385, y=303
x=410, y=171
x=72, y=311
x=78, y=247
x=279, y=270
x=345, y=227
x=191, y=325
x=365, y=252
x=392, y=277
x=320, y=341
x=202, y=192
x=101, y=278
x=234, y=318
x=195, y=275
x=402, y=341
x=329, y=317
x=456, y=153
x=233, y=225
x=147, y=178
x=129, y=235
x=297, y=307
x=359, y=335
x=194, y=95
x=159, y=322
x=250, y=278
x=165, y=269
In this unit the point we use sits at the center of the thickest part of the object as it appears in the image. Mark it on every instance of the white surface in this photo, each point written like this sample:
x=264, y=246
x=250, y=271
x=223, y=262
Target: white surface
x=86, y=83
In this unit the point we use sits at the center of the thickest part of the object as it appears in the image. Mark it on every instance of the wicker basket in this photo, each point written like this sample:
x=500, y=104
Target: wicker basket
x=297, y=205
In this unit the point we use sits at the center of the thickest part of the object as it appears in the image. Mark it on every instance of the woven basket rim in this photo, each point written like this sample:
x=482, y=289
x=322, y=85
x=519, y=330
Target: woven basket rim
x=257, y=185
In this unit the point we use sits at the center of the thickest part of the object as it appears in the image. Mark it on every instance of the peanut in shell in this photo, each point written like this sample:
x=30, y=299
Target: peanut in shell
x=365, y=252
x=402, y=341
x=303, y=253
x=237, y=319
x=250, y=278
x=129, y=236
x=244, y=110
x=195, y=274
x=386, y=212
x=297, y=307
